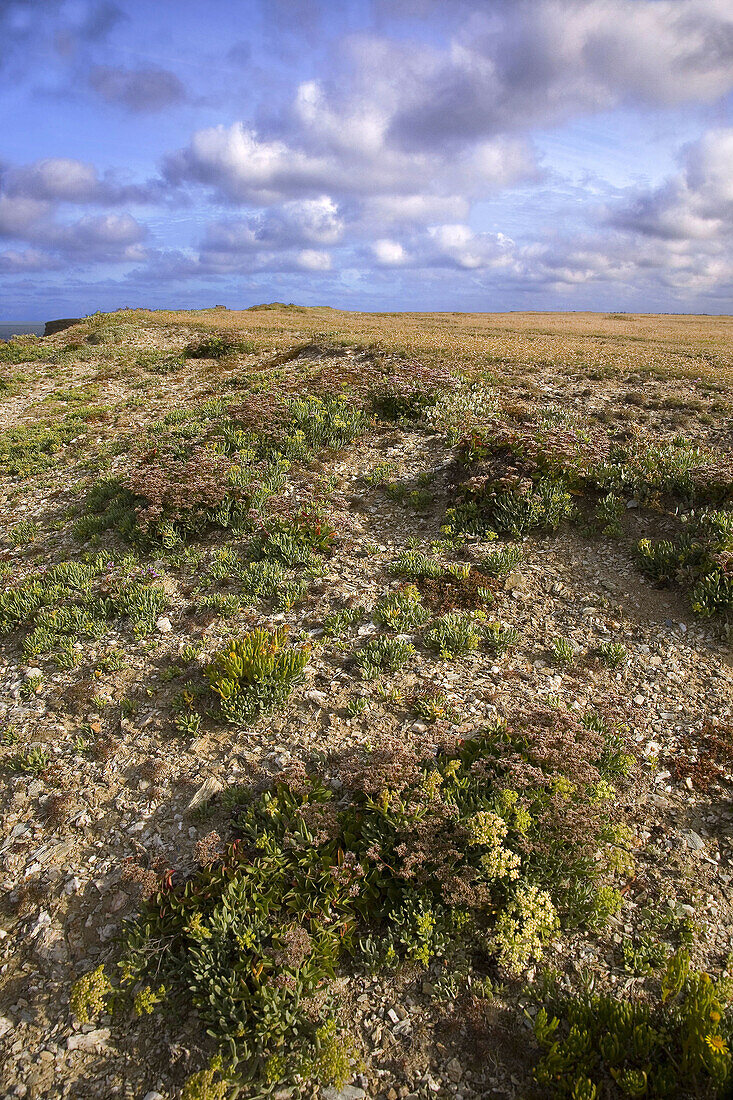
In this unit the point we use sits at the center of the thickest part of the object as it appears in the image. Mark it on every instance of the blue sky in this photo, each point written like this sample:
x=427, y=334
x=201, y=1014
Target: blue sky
x=366, y=154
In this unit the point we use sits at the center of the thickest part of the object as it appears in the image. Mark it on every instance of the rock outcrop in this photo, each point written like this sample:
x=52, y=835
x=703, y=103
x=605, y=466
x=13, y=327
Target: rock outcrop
x=60, y=325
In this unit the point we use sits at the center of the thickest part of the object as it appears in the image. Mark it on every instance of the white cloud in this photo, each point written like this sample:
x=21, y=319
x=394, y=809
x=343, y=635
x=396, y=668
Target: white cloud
x=517, y=64
x=389, y=253
x=696, y=204
x=312, y=259
x=63, y=179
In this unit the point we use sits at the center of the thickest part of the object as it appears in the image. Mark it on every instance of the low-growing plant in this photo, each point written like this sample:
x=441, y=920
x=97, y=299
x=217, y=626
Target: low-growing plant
x=226, y=604
x=414, y=564
x=613, y=654
x=511, y=505
x=21, y=533
x=609, y=511
x=256, y=672
x=32, y=761
x=502, y=560
x=89, y=995
x=453, y=634
x=414, y=860
x=598, y=1045
x=382, y=655
x=563, y=652
x=432, y=705
x=338, y=622
x=31, y=686
x=401, y=611
x=291, y=593
x=188, y=722
x=498, y=638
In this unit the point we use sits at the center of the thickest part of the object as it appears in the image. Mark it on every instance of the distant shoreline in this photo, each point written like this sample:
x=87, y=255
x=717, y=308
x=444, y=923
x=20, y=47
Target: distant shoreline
x=17, y=328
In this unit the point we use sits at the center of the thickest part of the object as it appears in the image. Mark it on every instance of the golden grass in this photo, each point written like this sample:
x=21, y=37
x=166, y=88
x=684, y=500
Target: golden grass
x=687, y=346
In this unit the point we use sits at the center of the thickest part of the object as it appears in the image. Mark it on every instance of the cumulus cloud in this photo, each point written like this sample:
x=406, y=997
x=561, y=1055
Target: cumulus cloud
x=104, y=237
x=31, y=31
x=19, y=215
x=696, y=204
x=62, y=179
x=389, y=253
x=313, y=259
x=28, y=259
x=140, y=90
x=242, y=167
x=523, y=63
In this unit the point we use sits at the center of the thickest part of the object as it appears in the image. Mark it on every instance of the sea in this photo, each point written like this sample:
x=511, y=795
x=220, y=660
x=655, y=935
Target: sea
x=15, y=328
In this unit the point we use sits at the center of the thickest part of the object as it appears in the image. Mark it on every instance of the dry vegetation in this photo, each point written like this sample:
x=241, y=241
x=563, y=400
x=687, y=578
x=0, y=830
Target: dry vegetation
x=365, y=713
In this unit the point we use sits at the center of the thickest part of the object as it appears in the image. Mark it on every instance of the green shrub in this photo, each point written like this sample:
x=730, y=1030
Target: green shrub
x=499, y=638
x=401, y=611
x=411, y=860
x=211, y=347
x=414, y=564
x=453, y=634
x=28, y=449
x=502, y=560
x=609, y=1045
x=609, y=511
x=338, y=622
x=613, y=654
x=74, y=600
x=89, y=995
x=33, y=761
x=383, y=655
x=23, y=532
x=512, y=506
x=432, y=705
x=256, y=673
x=563, y=652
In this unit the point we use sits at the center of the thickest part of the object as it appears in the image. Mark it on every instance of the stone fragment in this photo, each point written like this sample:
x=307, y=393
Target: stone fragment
x=91, y=1042
x=206, y=791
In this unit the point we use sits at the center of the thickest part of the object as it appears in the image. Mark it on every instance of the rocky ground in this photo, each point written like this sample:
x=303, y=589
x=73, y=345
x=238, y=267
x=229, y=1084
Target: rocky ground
x=122, y=788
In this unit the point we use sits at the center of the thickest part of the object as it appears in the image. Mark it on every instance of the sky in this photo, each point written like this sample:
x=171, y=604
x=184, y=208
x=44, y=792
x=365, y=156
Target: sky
x=471, y=155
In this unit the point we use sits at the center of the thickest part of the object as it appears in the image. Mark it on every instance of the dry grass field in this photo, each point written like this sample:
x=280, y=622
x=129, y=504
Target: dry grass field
x=668, y=345
x=366, y=706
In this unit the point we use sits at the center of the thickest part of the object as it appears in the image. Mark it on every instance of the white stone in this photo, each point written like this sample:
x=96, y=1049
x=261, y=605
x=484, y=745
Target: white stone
x=163, y=624
x=94, y=1042
x=206, y=791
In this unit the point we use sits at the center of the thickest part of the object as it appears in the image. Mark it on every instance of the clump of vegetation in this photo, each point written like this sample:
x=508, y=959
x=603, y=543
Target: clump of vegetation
x=414, y=564
x=215, y=347
x=409, y=392
x=256, y=673
x=30, y=449
x=454, y=634
x=89, y=995
x=32, y=761
x=419, y=861
x=701, y=560
x=21, y=533
x=502, y=560
x=498, y=638
x=563, y=652
x=432, y=705
x=73, y=600
x=338, y=622
x=510, y=505
x=602, y=1045
x=382, y=655
x=613, y=654
x=609, y=511
x=401, y=611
